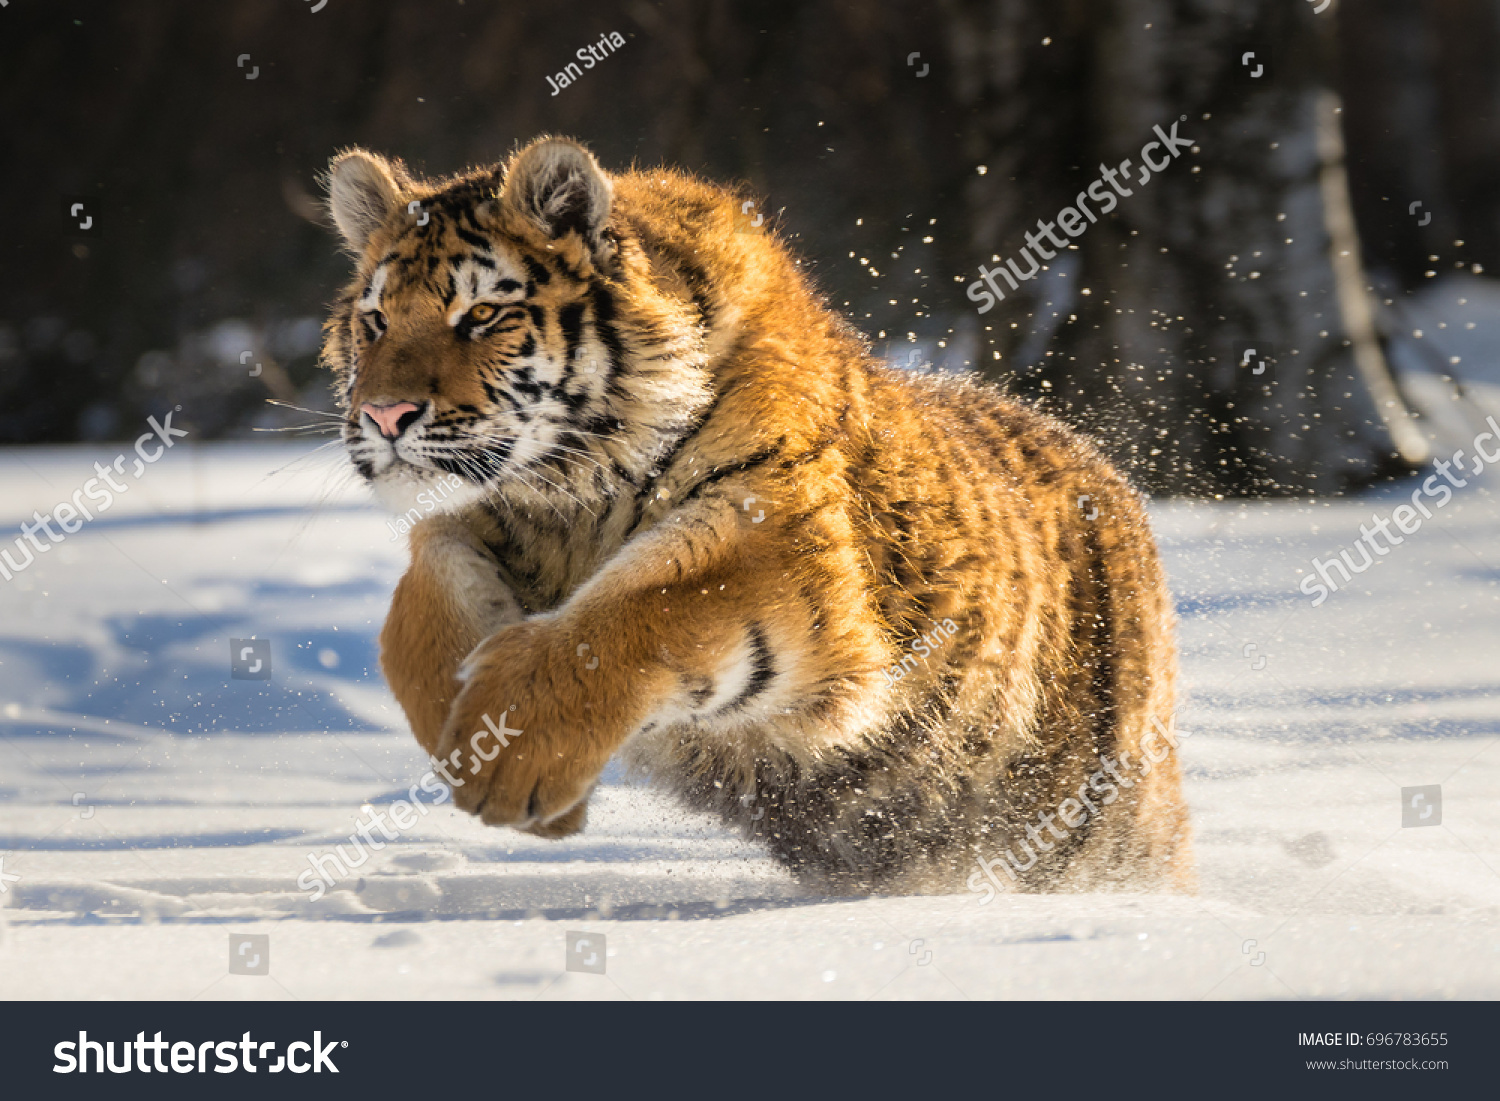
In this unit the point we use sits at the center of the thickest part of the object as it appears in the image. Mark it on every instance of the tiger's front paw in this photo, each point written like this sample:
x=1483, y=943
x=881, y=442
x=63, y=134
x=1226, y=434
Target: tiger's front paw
x=523, y=746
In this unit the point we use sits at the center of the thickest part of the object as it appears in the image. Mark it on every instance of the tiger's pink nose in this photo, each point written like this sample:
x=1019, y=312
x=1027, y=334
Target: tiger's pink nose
x=392, y=420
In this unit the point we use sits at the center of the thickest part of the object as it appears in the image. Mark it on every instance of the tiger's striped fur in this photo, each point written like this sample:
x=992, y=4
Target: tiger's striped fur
x=700, y=524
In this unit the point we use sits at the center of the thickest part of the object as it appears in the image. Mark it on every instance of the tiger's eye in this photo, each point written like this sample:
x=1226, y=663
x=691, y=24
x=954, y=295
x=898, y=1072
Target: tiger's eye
x=482, y=312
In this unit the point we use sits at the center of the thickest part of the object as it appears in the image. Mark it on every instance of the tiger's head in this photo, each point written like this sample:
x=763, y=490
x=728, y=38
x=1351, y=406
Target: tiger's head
x=504, y=326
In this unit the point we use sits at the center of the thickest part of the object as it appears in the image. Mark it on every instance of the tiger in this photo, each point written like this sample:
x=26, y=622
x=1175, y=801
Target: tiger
x=880, y=621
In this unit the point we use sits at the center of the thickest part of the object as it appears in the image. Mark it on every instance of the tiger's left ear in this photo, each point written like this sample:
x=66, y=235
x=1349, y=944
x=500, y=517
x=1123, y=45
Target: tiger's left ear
x=558, y=186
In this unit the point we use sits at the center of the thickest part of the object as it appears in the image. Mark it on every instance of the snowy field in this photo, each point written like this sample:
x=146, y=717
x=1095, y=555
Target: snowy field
x=152, y=808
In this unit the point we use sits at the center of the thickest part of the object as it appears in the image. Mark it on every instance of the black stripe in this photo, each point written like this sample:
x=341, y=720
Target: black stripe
x=602, y=424
x=525, y=382
x=812, y=455
x=570, y=318
x=472, y=238
x=508, y=534
x=451, y=465
x=466, y=209
x=609, y=336
x=664, y=464
x=699, y=287
x=758, y=459
x=629, y=479
x=905, y=575
x=538, y=270
x=496, y=395
x=1107, y=719
x=762, y=672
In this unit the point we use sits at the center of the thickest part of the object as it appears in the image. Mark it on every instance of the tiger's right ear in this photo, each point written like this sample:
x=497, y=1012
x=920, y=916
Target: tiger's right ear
x=362, y=194
x=557, y=186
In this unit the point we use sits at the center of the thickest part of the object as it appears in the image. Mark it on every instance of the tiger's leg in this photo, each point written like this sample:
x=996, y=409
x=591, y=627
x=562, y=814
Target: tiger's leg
x=1157, y=843
x=449, y=599
x=696, y=619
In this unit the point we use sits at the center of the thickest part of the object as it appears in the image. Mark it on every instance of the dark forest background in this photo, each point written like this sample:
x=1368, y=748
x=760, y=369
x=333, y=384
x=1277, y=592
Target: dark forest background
x=202, y=277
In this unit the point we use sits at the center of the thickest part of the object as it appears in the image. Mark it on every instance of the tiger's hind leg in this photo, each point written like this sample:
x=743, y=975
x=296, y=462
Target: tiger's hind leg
x=1153, y=845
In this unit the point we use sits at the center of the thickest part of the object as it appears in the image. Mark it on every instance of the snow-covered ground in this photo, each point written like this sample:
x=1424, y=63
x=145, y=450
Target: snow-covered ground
x=152, y=808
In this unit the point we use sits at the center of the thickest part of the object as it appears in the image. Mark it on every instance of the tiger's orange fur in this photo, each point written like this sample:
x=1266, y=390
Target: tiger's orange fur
x=704, y=529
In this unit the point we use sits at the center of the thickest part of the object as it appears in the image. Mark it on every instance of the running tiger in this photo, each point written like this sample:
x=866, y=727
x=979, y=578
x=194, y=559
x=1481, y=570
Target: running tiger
x=881, y=621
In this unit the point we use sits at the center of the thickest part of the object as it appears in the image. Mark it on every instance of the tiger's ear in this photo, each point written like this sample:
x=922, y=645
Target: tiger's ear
x=362, y=193
x=558, y=186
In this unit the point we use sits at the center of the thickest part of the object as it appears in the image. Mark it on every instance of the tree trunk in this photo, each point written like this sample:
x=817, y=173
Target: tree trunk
x=1142, y=331
x=1423, y=124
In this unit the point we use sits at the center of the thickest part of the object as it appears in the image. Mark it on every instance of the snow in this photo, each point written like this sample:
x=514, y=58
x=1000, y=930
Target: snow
x=152, y=808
